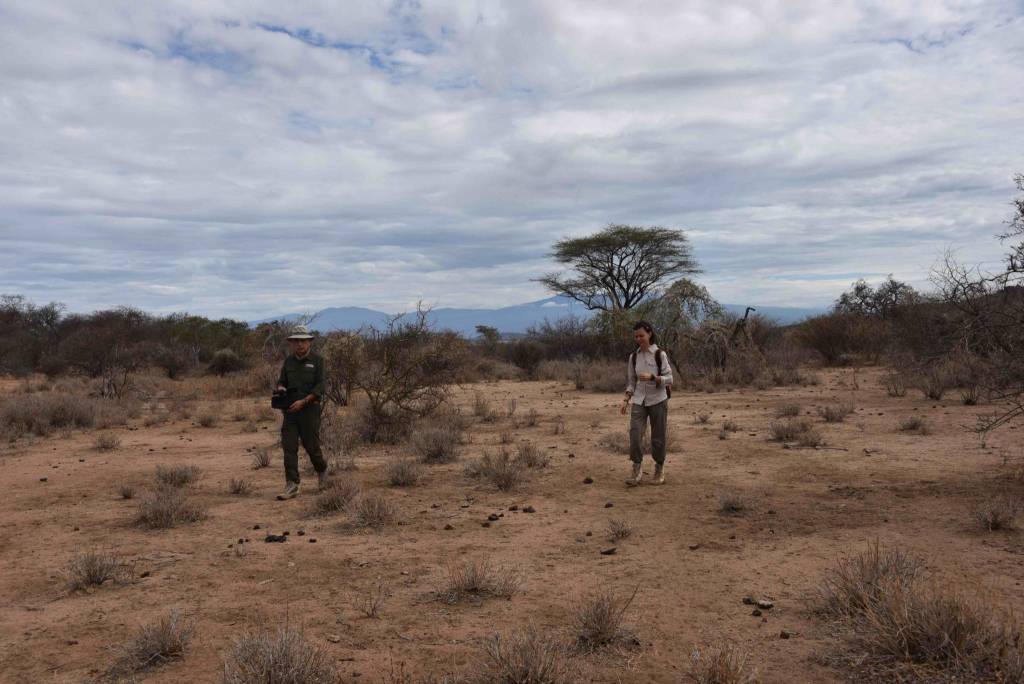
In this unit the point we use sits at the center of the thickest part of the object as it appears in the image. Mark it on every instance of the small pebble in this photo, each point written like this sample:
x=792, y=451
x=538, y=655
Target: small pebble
x=783, y=634
x=609, y=505
x=485, y=524
x=312, y=540
x=529, y=509
x=42, y=479
x=609, y=552
x=449, y=526
x=756, y=613
x=588, y=480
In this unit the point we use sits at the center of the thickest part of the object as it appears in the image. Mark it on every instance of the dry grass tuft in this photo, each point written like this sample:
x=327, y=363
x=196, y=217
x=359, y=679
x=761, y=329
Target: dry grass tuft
x=239, y=487
x=529, y=657
x=788, y=411
x=999, y=513
x=701, y=418
x=282, y=656
x=857, y=581
x=478, y=579
x=371, y=602
x=482, y=408
x=436, y=445
x=915, y=424
x=207, y=420
x=500, y=470
x=177, y=476
x=597, y=620
x=402, y=472
x=835, y=413
x=895, y=384
x=336, y=497
x=730, y=425
x=721, y=664
x=529, y=456
x=619, y=529
x=532, y=418
x=261, y=459
x=810, y=438
x=106, y=441
x=788, y=430
x=166, y=507
x=154, y=645
x=372, y=510
x=93, y=568
x=126, y=491
x=732, y=504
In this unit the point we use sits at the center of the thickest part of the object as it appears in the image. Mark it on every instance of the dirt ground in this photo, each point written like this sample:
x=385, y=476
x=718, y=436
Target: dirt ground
x=691, y=564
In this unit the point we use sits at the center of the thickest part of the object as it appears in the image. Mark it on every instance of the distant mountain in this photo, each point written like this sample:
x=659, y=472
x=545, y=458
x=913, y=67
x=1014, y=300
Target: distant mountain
x=511, y=320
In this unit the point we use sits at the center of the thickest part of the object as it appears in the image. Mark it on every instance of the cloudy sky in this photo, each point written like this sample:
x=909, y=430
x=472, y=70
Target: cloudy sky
x=252, y=158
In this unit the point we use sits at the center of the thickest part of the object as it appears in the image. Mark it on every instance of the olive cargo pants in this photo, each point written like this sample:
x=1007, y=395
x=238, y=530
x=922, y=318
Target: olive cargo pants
x=638, y=415
x=302, y=425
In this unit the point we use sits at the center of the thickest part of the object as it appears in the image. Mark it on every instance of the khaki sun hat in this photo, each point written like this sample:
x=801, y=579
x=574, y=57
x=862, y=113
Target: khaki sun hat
x=300, y=332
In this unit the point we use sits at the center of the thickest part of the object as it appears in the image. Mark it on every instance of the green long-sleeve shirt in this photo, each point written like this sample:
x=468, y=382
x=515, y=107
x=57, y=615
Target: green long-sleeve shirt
x=302, y=377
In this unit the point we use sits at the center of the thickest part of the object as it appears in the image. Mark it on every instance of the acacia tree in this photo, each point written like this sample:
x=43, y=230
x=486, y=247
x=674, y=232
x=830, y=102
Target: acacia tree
x=619, y=266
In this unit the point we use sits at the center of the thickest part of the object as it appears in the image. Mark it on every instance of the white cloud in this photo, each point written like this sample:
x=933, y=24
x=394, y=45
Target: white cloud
x=252, y=158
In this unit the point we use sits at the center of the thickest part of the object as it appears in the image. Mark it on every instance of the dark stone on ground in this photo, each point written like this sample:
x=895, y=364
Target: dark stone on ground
x=589, y=533
x=748, y=601
x=145, y=573
x=756, y=613
x=492, y=517
x=485, y=524
x=609, y=505
x=271, y=538
x=609, y=552
x=513, y=508
x=312, y=540
x=255, y=527
x=301, y=533
x=449, y=526
x=42, y=479
x=783, y=634
x=588, y=480
x=529, y=509
x=694, y=547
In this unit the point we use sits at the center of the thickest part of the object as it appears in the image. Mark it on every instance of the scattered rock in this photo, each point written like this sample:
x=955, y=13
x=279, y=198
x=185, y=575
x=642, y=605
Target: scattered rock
x=588, y=480
x=42, y=479
x=572, y=455
x=301, y=533
x=312, y=540
x=513, y=507
x=694, y=547
x=783, y=634
x=255, y=527
x=732, y=536
x=609, y=505
x=145, y=573
x=529, y=509
x=589, y=533
x=748, y=601
x=756, y=613
x=609, y=552
x=286, y=533
x=271, y=538
x=485, y=524
x=449, y=526
x=333, y=638
x=241, y=540
x=765, y=604
x=492, y=517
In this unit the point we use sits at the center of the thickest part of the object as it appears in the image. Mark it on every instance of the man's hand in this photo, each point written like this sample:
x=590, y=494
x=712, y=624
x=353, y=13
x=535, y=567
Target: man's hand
x=297, y=406
x=645, y=376
x=624, y=407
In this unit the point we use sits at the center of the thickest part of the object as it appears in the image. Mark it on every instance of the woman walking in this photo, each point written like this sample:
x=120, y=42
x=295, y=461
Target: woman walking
x=647, y=392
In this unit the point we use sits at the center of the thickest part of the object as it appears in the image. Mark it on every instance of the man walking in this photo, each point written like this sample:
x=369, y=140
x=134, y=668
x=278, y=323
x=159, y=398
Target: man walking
x=302, y=381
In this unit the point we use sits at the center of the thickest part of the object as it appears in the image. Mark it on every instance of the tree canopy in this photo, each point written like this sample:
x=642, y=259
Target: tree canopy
x=617, y=267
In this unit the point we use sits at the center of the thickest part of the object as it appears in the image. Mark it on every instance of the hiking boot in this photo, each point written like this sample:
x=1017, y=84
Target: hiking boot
x=637, y=476
x=659, y=474
x=321, y=480
x=291, y=490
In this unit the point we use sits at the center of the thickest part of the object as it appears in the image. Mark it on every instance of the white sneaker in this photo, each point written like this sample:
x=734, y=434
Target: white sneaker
x=291, y=490
x=637, y=476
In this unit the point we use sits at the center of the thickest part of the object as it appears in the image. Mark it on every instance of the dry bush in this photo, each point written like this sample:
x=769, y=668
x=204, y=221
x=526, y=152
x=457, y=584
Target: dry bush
x=788, y=411
x=529, y=657
x=915, y=424
x=512, y=406
x=40, y=414
x=730, y=425
x=207, y=419
x=895, y=384
x=788, y=430
x=732, y=504
x=176, y=476
x=970, y=395
x=608, y=377
x=500, y=470
x=558, y=427
x=597, y=620
x=723, y=434
x=721, y=664
x=505, y=437
x=478, y=579
x=126, y=491
x=998, y=513
x=265, y=414
x=857, y=581
x=701, y=418
x=337, y=496
x=106, y=441
x=529, y=456
x=282, y=656
x=165, y=507
x=239, y=487
x=93, y=568
x=532, y=418
x=154, y=645
x=934, y=380
x=371, y=510
x=371, y=602
x=402, y=472
x=341, y=464
x=249, y=427
x=810, y=438
x=835, y=413
x=340, y=434
x=436, y=444
x=619, y=529
x=482, y=408
x=261, y=458
x=154, y=419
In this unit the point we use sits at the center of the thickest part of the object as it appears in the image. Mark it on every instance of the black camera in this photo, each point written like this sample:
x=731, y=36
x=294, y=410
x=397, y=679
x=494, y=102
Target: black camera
x=280, y=400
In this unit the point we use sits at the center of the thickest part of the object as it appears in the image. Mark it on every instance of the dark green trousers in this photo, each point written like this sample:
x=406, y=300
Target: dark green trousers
x=638, y=417
x=301, y=426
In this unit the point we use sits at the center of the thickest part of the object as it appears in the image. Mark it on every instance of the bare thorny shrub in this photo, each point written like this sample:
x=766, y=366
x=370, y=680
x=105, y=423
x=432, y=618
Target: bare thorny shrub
x=498, y=469
x=527, y=657
x=94, y=568
x=166, y=507
x=598, y=620
x=898, y=620
x=154, y=645
x=721, y=664
x=404, y=370
x=282, y=656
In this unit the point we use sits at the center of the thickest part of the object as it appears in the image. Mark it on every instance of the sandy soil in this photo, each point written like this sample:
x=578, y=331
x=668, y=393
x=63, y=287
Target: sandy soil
x=693, y=565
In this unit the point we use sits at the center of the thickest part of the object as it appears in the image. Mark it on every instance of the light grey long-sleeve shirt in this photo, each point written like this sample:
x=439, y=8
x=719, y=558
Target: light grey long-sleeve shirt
x=649, y=392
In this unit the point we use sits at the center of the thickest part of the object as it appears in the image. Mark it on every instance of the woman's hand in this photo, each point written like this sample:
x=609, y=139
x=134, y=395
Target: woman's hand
x=624, y=407
x=645, y=376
